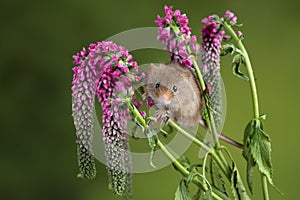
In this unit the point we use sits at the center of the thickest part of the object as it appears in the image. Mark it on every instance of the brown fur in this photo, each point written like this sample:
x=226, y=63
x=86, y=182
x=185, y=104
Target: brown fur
x=186, y=103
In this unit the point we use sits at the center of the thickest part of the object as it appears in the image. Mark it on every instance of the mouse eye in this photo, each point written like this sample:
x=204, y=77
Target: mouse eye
x=157, y=85
x=174, y=88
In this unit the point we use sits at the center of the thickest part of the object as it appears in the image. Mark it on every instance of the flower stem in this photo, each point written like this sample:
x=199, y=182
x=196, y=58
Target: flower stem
x=248, y=68
x=223, y=166
x=253, y=92
x=190, y=137
x=265, y=186
x=212, y=122
x=212, y=125
x=183, y=170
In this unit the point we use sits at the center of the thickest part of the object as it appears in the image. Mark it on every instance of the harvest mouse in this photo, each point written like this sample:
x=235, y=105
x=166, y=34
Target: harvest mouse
x=175, y=92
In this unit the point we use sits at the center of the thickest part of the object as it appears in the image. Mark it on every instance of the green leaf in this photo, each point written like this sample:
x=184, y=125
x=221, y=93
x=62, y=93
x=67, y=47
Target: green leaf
x=237, y=187
x=250, y=165
x=216, y=178
x=247, y=154
x=197, y=195
x=202, y=183
x=152, y=139
x=236, y=63
x=182, y=192
x=207, y=195
x=238, y=25
x=257, y=150
x=227, y=48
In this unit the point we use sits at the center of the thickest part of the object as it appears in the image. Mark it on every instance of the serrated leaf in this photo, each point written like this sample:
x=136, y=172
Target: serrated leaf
x=237, y=187
x=236, y=64
x=257, y=149
x=182, y=192
x=217, y=179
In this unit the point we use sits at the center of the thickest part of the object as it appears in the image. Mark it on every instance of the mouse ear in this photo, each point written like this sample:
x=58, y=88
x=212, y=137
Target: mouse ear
x=153, y=67
x=186, y=74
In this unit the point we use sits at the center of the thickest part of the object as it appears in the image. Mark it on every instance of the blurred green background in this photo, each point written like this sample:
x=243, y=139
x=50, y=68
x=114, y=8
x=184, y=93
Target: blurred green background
x=37, y=41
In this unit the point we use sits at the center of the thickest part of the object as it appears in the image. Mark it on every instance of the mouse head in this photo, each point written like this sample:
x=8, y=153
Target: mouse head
x=165, y=83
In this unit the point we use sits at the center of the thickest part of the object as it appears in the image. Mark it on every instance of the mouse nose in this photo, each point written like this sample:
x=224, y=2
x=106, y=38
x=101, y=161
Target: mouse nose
x=165, y=98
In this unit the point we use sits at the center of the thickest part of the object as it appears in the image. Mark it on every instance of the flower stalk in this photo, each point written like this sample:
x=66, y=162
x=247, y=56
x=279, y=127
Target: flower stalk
x=136, y=114
x=248, y=68
x=250, y=73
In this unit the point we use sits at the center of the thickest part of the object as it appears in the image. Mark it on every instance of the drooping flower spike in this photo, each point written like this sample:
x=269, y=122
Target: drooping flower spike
x=104, y=70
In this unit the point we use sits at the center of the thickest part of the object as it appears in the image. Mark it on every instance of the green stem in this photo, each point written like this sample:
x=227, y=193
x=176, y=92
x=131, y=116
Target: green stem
x=183, y=170
x=189, y=136
x=212, y=126
x=248, y=68
x=223, y=166
x=203, y=87
x=265, y=186
x=253, y=92
x=178, y=166
x=218, y=155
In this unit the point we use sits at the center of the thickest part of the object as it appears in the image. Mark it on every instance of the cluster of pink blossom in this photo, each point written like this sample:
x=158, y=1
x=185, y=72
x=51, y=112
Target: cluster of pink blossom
x=229, y=16
x=104, y=70
x=175, y=34
x=212, y=36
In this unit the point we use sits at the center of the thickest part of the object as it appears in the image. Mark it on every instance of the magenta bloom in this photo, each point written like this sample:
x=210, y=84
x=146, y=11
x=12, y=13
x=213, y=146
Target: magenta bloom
x=102, y=71
x=229, y=16
x=175, y=34
x=211, y=38
x=149, y=102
